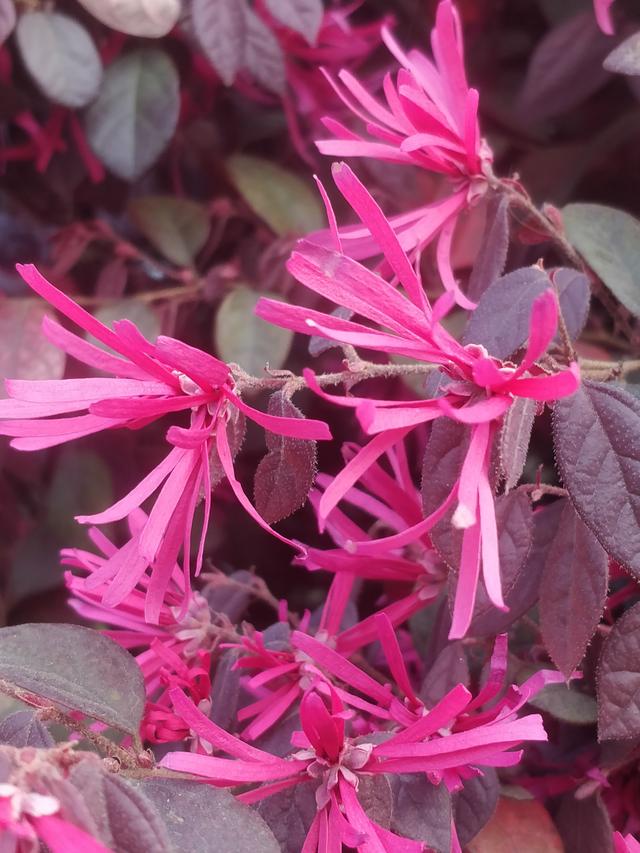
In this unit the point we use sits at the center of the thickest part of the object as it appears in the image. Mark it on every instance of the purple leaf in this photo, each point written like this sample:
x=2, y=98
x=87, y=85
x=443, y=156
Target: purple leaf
x=443, y=459
x=523, y=593
x=236, y=429
x=124, y=817
x=285, y=475
x=584, y=825
x=449, y=669
x=515, y=535
x=7, y=19
x=303, y=16
x=75, y=668
x=515, y=435
x=206, y=819
x=264, y=58
x=441, y=466
x=575, y=296
x=376, y=798
x=278, y=739
x=492, y=256
x=221, y=29
x=422, y=811
x=318, y=345
x=510, y=299
x=225, y=597
x=618, y=680
x=565, y=68
x=573, y=591
x=23, y=728
x=625, y=59
x=225, y=691
x=289, y=814
x=474, y=806
x=596, y=439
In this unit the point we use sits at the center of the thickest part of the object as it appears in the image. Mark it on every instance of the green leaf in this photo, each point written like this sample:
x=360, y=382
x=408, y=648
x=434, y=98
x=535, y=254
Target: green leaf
x=7, y=19
x=148, y=18
x=177, y=227
x=562, y=701
x=245, y=339
x=76, y=669
x=136, y=112
x=286, y=203
x=24, y=352
x=625, y=59
x=609, y=241
x=81, y=484
x=60, y=56
x=140, y=313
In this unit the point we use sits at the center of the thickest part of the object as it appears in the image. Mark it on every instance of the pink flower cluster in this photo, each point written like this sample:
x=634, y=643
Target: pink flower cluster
x=430, y=121
x=477, y=389
x=149, y=381
x=352, y=726
x=447, y=742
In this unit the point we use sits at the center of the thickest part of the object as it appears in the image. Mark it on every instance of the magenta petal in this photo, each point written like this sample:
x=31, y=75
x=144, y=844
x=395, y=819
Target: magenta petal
x=354, y=469
x=215, y=735
x=137, y=495
x=62, y=837
x=89, y=354
x=602, y=9
x=374, y=219
x=303, y=428
x=207, y=371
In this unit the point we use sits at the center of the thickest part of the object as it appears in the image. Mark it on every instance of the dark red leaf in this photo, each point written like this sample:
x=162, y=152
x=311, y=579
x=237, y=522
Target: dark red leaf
x=23, y=728
x=618, y=680
x=475, y=804
x=491, y=258
x=422, y=811
x=449, y=669
x=584, y=825
x=285, y=475
x=515, y=435
x=125, y=818
x=573, y=591
x=565, y=68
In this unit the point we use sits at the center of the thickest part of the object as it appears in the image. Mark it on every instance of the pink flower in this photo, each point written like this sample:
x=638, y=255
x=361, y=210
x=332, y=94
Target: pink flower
x=479, y=391
x=149, y=381
x=625, y=843
x=430, y=120
x=283, y=672
x=184, y=626
x=28, y=817
x=339, y=42
x=393, y=503
x=336, y=762
x=602, y=8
